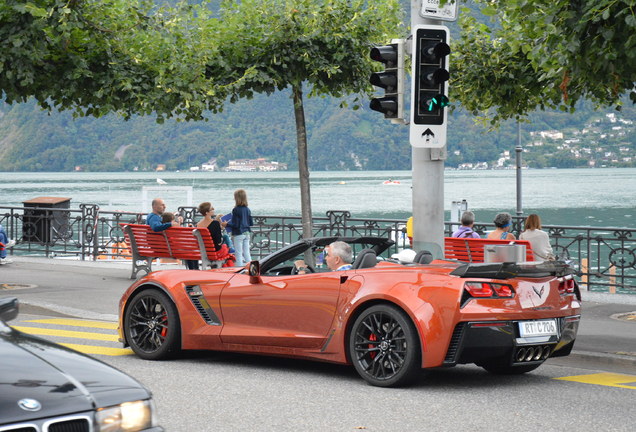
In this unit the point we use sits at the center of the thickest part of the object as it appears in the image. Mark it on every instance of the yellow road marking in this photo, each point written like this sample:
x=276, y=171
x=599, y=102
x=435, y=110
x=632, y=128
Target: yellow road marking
x=604, y=379
x=68, y=333
x=77, y=323
x=92, y=349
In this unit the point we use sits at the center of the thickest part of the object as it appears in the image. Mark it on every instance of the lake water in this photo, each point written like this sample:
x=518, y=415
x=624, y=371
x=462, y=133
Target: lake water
x=595, y=197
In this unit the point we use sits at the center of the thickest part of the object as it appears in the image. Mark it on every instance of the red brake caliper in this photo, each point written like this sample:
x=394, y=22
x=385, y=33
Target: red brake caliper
x=373, y=337
x=164, y=320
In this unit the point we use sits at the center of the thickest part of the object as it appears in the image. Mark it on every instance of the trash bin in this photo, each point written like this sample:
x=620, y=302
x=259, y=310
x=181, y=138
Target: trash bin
x=504, y=253
x=41, y=225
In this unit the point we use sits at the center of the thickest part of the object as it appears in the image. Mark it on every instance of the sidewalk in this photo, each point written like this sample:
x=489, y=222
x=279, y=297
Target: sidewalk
x=91, y=290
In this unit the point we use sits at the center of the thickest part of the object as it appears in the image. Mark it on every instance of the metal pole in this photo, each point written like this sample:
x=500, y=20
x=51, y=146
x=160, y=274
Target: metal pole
x=428, y=182
x=518, y=151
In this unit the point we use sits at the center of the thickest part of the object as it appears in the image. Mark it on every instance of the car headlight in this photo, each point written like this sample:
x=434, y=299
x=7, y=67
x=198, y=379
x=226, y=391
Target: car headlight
x=127, y=417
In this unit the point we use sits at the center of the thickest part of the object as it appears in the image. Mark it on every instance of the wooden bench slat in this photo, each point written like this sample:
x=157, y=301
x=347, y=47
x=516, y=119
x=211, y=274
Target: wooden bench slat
x=186, y=243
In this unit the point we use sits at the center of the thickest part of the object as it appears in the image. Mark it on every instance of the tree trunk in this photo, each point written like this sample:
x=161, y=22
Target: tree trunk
x=303, y=165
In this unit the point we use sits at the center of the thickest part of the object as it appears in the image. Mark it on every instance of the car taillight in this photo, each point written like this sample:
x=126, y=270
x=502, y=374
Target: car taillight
x=502, y=290
x=479, y=289
x=567, y=285
x=488, y=290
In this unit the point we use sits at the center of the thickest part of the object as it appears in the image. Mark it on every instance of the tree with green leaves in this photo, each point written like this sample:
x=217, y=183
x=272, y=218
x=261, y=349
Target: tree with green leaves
x=100, y=56
x=314, y=48
x=545, y=54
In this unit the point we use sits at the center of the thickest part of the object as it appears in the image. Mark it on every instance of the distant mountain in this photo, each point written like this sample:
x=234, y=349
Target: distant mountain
x=339, y=139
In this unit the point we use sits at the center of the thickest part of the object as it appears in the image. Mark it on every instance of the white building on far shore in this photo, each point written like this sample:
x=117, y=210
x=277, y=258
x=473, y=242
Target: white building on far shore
x=260, y=164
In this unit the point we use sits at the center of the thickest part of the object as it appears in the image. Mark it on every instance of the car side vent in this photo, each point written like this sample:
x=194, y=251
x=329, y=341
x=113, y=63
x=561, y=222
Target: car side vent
x=201, y=304
x=453, y=346
x=76, y=425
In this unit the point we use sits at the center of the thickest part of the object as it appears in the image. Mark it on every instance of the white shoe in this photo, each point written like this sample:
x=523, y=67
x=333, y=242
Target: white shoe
x=10, y=244
x=4, y=261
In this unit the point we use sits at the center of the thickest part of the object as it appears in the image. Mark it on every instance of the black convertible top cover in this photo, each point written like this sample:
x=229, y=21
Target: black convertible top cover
x=509, y=270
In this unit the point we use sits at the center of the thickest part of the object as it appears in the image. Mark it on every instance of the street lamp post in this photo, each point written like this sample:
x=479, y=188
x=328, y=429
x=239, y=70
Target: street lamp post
x=518, y=151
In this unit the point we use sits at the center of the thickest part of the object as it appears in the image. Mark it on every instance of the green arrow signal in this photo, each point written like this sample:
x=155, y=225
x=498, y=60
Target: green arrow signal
x=437, y=102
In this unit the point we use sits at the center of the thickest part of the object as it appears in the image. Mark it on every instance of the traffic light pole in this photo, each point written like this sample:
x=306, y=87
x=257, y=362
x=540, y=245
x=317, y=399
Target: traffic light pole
x=428, y=181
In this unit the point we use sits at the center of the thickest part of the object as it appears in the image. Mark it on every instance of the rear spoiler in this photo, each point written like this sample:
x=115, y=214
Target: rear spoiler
x=509, y=270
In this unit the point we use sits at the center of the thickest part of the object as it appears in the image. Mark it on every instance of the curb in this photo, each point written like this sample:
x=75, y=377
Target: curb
x=100, y=264
x=71, y=312
x=614, y=359
x=589, y=296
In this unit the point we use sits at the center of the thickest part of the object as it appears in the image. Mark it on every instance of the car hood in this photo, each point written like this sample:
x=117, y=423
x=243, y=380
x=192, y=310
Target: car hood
x=63, y=381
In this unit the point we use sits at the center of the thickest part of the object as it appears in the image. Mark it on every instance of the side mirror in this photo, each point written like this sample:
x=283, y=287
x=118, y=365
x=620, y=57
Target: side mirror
x=8, y=308
x=254, y=270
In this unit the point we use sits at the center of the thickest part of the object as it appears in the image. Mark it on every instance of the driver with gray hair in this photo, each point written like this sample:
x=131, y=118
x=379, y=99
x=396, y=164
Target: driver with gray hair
x=338, y=256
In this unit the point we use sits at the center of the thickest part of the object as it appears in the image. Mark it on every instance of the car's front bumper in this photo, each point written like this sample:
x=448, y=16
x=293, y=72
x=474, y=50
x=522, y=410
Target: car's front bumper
x=83, y=422
x=500, y=341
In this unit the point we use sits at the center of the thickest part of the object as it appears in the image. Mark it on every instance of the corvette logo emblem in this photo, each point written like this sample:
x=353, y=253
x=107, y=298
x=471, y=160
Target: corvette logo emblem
x=539, y=292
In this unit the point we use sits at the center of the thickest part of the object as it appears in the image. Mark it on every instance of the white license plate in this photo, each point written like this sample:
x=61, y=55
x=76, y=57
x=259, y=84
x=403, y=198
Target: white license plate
x=537, y=328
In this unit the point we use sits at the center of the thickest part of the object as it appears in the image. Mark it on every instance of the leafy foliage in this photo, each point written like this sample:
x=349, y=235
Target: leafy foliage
x=545, y=54
x=132, y=57
x=322, y=44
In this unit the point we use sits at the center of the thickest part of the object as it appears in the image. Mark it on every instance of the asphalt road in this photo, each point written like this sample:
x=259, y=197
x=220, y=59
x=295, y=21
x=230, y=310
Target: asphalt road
x=205, y=391
x=236, y=393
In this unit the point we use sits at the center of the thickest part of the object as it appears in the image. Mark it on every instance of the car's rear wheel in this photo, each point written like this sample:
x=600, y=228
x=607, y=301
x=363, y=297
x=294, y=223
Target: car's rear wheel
x=384, y=346
x=151, y=325
x=509, y=370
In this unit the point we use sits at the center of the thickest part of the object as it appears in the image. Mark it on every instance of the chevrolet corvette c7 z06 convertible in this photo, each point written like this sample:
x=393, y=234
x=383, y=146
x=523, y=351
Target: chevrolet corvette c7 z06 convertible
x=387, y=318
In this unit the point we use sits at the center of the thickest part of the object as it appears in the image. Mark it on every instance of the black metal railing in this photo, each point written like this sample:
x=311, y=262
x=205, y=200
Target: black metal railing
x=605, y=257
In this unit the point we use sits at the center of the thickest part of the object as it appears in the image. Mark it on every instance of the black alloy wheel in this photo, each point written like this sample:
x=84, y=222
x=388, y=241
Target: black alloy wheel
x=384, y=346
x=152, y=326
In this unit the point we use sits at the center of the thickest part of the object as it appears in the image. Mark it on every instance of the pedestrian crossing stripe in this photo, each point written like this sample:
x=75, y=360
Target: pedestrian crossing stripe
x=110, y=336
x=68, y=333
x=604, y=379
x=76, y=323
x=93, y=349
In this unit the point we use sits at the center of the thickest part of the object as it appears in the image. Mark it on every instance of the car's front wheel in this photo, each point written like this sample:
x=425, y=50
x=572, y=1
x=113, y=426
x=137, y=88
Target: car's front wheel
x=384, y=346
x=151, y=325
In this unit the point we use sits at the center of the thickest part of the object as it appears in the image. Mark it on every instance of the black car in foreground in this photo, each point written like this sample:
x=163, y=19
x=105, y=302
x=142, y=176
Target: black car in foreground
x=45, y=387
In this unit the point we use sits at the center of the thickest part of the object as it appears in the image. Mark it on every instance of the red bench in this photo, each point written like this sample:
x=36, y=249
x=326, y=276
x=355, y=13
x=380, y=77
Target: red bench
x=186, y=243
x=472, y=249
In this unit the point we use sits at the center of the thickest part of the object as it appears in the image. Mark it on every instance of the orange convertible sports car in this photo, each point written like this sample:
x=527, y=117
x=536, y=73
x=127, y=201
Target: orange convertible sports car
x=387, y=318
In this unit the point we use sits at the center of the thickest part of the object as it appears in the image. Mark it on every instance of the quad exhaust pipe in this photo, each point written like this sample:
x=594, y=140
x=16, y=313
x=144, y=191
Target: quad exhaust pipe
x=533, y=353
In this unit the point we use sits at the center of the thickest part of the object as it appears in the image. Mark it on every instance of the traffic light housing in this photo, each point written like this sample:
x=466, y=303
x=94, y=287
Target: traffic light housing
x=430, y=86
x=391, y=79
